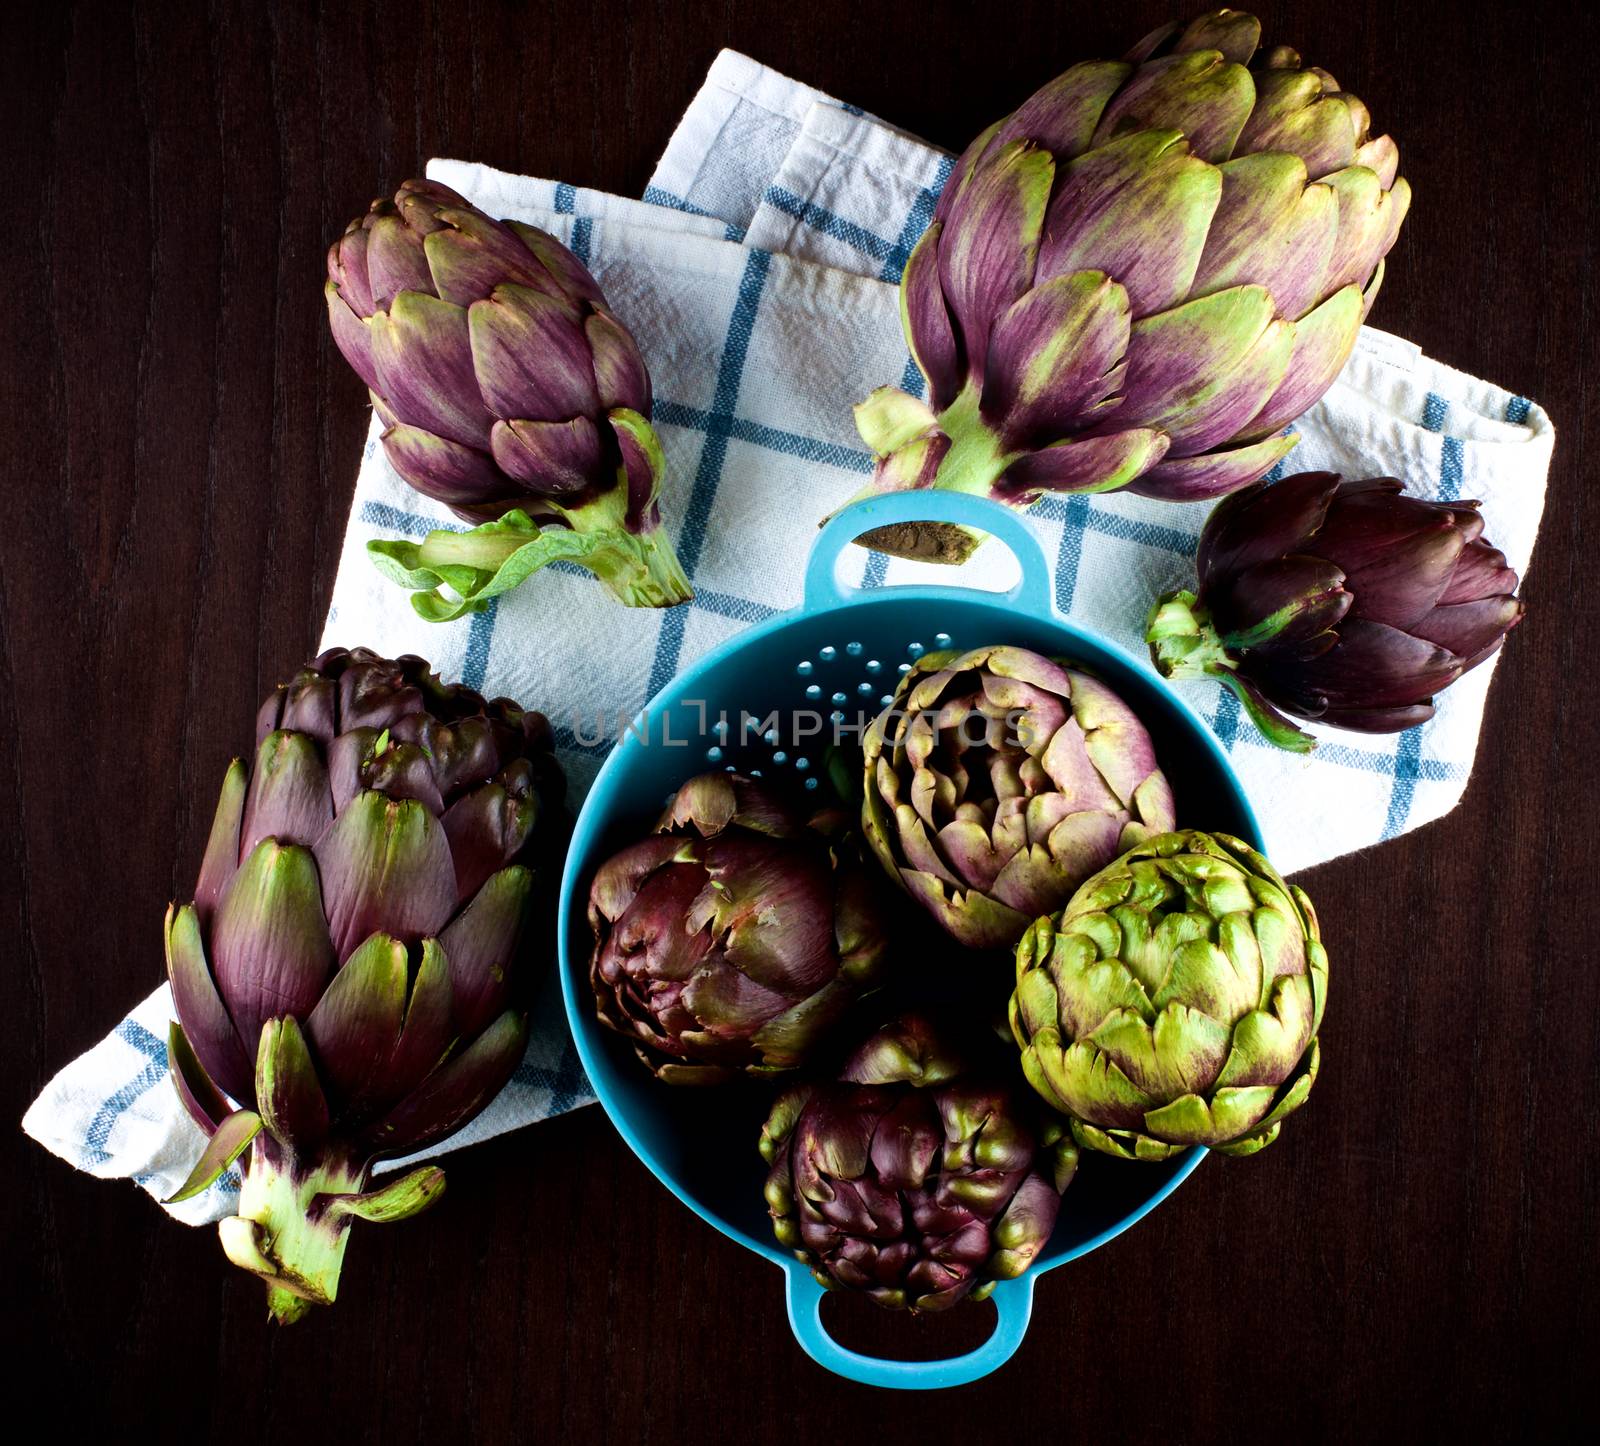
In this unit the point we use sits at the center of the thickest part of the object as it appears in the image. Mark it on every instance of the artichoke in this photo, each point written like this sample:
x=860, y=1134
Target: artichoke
x=347, y=971
x=509, y=391
x=998, y=780
x=1137, y=279
x=1347, y=603
x=1175, y=1001
x=913, y=1179
x=733, y=938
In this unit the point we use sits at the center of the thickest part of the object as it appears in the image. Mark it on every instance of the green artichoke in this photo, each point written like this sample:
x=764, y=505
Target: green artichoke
x=998, y=780
x=347, y=973
x=914, y=1179
x=508, y=390
x=1138, y=279
x=1175, y=1001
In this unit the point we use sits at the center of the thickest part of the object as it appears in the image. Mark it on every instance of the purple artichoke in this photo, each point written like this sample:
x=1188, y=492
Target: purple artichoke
x=1347, y=603
x=998, y=781
x=347, y=972
x=509, y=391
x=1137, y=279
x=734, y=937
x=912, y=1179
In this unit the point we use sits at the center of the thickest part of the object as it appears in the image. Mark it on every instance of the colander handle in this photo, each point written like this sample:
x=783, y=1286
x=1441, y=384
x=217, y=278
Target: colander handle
x=1013, y=1303
x=1032, y=593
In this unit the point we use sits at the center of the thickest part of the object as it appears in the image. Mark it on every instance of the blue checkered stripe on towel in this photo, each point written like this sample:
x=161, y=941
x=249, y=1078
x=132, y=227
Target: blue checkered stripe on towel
x=152, y=1073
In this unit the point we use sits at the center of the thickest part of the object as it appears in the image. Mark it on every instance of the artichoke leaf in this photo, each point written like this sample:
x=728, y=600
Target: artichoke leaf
x=232, y=1138
x=1093, y=1083
x=1191, y=1120
x=200, y=1097
x=410, y=1195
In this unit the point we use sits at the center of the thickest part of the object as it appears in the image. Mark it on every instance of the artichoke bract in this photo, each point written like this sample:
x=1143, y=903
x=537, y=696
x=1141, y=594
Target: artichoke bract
x=998, y=780
x=1138, y=279
x=347, y=971
x=736, y=936
x=1175, y=1001
x=913, y=1178
x=509, y=391
x=1347, y=603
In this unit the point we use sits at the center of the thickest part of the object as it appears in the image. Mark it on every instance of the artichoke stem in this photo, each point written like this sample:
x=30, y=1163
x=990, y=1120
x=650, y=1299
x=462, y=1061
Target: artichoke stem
x=1183, y=643
x=283, y=1234
x=643, y=570
x=974, y=463
x=977, y=456
x=640, y=568
x=284, y=1306
x=1184, y=646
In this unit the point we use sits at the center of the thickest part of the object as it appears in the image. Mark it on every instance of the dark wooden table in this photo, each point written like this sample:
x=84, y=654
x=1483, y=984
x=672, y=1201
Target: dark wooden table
x=1416, y=1257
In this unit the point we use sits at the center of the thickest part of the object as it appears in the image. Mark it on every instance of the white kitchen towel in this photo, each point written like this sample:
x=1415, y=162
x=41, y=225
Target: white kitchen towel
x=758, y=275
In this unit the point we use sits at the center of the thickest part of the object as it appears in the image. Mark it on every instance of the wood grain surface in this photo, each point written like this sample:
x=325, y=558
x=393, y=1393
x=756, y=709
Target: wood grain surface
x=1417, y=1256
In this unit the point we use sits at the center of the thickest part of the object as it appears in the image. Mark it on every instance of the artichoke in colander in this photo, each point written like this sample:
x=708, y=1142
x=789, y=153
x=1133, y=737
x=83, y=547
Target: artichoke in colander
x=1175, y=1001
x=1137, y=279
x=915, y=1178
x=733, y=938
x=998, y=780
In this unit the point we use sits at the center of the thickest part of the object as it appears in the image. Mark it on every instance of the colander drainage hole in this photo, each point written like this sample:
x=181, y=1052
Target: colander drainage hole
x=804, y=667
x=914, y=650
x=941, y=640
x=854, y=649
x=713, y=754
x=828, y=654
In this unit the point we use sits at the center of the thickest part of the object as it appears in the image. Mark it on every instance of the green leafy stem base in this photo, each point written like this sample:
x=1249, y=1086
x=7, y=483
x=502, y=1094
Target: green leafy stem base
x=1184, y=645
x=450, y=574
x=295, y=1211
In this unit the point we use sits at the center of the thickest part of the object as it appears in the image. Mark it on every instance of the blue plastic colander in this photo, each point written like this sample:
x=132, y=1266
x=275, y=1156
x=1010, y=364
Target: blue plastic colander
x=842, y=651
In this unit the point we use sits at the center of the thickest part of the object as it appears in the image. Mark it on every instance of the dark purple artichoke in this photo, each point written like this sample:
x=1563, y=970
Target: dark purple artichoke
x=509, y=391
x=347, y=972
x=734, y=937
x=998, y=780
x=912, y=1179
x=1349, y=603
